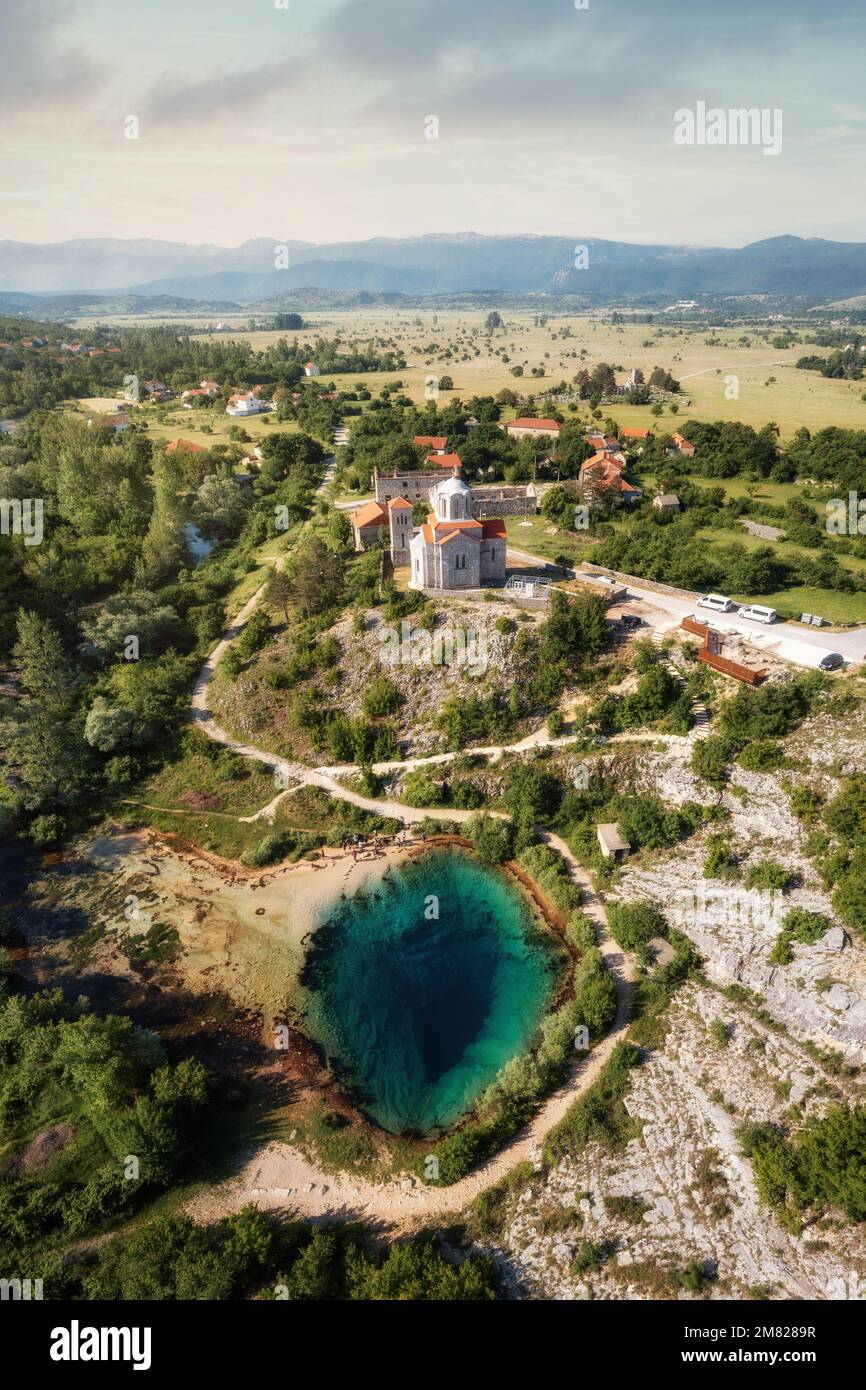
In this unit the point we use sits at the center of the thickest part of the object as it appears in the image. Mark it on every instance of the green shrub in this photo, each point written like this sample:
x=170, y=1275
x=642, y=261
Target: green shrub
x=380, y=697
x=633, y=925
x=269, y=850
x=762, y=755
x=770, y=875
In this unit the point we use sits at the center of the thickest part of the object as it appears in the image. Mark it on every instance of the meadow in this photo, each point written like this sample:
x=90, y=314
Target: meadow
x=701, y=357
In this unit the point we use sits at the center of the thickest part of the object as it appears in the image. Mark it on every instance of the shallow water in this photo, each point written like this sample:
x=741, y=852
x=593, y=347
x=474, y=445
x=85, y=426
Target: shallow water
x=419, y=1013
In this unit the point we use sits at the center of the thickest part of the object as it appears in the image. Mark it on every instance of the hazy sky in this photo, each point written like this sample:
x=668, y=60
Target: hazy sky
x=308, y=121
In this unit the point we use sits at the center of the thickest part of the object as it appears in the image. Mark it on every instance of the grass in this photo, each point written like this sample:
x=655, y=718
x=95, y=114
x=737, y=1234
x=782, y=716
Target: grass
x=535, y=538
x=796, y=398
x=230, y=784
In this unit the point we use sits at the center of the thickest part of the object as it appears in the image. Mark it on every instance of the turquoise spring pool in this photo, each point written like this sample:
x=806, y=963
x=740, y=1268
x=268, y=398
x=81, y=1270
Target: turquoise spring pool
x=422, y=987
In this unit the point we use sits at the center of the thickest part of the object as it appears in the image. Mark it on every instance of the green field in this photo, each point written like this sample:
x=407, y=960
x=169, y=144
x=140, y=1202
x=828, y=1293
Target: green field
x=794, y=399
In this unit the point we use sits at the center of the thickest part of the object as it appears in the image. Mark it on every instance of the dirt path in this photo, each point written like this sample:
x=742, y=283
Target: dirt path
x=279, y=1176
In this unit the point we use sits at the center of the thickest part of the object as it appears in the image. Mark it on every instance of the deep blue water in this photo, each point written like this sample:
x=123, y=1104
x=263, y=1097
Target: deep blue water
x=417, y=1013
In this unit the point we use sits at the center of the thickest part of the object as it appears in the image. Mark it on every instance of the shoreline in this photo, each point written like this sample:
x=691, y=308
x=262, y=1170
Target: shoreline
x=544, y=919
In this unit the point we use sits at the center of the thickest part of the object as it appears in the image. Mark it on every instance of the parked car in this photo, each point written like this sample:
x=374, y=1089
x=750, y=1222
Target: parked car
x=717, y=602
x=831, y=662
x=631, y=620
x=758, y=613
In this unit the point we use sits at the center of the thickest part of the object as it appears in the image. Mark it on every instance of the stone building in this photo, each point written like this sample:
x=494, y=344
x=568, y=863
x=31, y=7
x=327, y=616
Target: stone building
x=453, y=550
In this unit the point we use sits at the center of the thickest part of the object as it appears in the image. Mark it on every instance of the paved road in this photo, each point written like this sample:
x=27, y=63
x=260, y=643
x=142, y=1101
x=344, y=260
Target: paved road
x=801, y=645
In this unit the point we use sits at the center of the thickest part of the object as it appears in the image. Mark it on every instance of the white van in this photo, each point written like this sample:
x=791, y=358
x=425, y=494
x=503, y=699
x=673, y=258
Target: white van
x=758, y=612
x=717, y=602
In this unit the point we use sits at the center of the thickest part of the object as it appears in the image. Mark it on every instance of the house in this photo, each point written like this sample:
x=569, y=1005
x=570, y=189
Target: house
x=603, y=443
x=524, y=427
x=604, y=473
x=452, y=550
x=632, y=435
x=210, y=388
x=613, y=846
x=194, y=392
x=433, y=443
x=667, y=503
x=367, y=522
x=415, y=486
x=244, y=403
x=310, y=369
x=681, y=448
x=183, y=446
x=155, y=389
x=116, y=423
x=451, y=461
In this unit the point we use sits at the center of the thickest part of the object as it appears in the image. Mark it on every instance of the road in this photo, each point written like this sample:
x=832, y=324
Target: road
x=802, y=646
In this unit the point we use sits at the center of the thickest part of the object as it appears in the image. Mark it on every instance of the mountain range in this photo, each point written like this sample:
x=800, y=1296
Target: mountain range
x=813, y=270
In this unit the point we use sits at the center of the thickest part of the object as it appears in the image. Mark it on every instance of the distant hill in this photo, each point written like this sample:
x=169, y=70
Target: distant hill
x=812, y=270
x=62, y=307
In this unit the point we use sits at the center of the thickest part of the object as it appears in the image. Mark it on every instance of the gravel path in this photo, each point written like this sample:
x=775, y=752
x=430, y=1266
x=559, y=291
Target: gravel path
x=279, y=1176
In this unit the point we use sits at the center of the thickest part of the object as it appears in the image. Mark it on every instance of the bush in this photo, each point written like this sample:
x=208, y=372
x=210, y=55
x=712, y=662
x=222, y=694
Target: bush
x=492, y=838
x=770, y=875
x=580, y=933
x=380, y=697
x=46, y=831
x=589, y=1257
x=419, y=789
x=269, y=850
x=720, y=862
x=633, y=925
x=762, y=755
x=798, y=925
x=594, y=994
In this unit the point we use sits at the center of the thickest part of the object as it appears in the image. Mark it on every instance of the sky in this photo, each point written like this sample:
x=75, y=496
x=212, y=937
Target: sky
x=309, y=119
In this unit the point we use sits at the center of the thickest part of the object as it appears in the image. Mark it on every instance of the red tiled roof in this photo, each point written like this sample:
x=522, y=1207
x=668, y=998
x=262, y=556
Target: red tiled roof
x=526, y=422
x=372, y=514
x=607, y=459
x=631, y=432
x=183, y=446
x=494, y=529
x=444, y=460
x=400, y=502
x=431, y=441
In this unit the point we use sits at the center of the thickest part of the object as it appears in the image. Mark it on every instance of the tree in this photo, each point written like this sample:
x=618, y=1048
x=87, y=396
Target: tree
x=107, y=727
x=633, y=925
x=559, y=508
x=849, y=899
x=417, y=1272
x=316, y=575
x=221, y=506
x=492, y=838
x=137, y=614
x=41, y=740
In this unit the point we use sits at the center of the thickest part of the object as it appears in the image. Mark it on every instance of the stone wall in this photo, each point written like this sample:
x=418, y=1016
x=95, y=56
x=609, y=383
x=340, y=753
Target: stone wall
x=502, y=502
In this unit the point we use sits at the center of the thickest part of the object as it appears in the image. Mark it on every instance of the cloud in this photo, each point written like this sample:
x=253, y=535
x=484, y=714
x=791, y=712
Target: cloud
x=226, y=94
x=38, y=70
x=393, y=37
